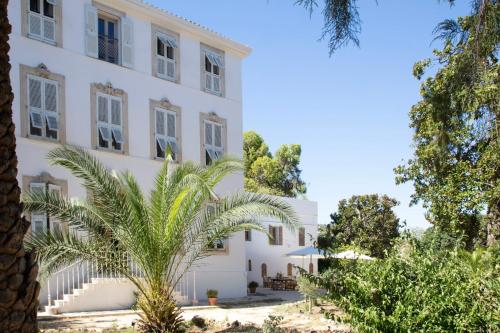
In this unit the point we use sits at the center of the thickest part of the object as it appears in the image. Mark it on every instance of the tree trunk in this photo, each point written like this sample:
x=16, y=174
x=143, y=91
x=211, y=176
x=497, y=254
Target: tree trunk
x=18, y=271
x=493, y=226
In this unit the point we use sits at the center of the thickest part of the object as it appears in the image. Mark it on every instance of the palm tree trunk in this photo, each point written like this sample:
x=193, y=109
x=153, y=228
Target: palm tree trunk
x=18, y=271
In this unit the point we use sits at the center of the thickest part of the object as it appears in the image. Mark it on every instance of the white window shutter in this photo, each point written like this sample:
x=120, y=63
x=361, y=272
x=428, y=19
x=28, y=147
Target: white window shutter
x=91, y=43
x=35, y=187
x=35, y=25
x=127, y=42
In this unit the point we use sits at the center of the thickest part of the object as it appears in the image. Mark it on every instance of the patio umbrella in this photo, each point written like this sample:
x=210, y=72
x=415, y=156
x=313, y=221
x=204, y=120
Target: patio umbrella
x=350, y=254
x=310, y=251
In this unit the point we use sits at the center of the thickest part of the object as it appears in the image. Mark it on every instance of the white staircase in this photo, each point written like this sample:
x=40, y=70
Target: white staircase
x=83, y=287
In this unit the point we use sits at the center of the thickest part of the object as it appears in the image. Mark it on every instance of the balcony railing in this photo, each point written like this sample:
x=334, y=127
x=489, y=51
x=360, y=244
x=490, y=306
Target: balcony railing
x=108, y=49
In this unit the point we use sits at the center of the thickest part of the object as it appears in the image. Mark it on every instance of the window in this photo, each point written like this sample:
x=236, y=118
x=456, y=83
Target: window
x=109, y=35
x=213, y=134
x=109, y=122
x=43, y=20
x=263, y=270
x=42, y=102
x=166, y=56
x=276, y=235
x=213, y=70
x=289, y=269
x=165, y=134
x=109, y=118
x=43, y=110
x=302, y=236
x=311, y=268
x=219, y=244
x=213, y=142
x=249, y=265
x=165, y=129
x=44, y=183
x=248, y=235
x=107, y=31
x=41, y=221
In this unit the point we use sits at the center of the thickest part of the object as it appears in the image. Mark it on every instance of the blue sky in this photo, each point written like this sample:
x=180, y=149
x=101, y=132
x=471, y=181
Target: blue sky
x=349, y=112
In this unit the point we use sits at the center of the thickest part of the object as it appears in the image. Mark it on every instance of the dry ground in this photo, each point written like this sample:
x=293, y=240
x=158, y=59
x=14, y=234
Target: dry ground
x=296, y=318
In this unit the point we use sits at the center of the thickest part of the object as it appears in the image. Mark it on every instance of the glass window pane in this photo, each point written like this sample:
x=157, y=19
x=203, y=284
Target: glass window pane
x=218, y=135
x=208, y=65
x=116, y=112
x=35, y=6
x=170, y=52
x=160, y=122
x=171, y=125
x=111, y=29
x=160, y=49
x=48, y=9
x=208, y=133
x=35, y=93
x=102, y=109
x=101, y=26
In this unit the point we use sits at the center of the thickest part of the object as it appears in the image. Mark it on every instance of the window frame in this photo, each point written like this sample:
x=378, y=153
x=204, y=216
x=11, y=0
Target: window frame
x=109, y=124
x=302, y=236
x=110, y=17
x=155, y=32
x=48, y=181
x=56, y=19
x=277, y=241
x=212, y=118
x=42, y=74
x=205, y=50
x=99, y=90
x=224, y=242
x=165, y=105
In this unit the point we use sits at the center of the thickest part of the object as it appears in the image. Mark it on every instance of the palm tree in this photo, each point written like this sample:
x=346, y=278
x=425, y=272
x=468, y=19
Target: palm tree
x=18, y=272
x=164, y=233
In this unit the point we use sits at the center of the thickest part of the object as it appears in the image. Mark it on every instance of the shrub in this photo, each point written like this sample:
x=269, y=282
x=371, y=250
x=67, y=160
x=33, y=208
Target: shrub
x=418, y=290
x=272, y=324
x=212, y=293
x=253, y=284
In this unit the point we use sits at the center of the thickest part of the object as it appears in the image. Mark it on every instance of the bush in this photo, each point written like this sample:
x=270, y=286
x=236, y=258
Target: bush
x=272, y=324
x=212, y=293
x=253, y=284
x=418, y=290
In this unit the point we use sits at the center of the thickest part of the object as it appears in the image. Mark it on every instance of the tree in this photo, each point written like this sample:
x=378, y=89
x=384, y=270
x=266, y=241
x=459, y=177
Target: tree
x=456, y=164
x=364, y=221
x=18, y=271
x=342, y=22
x=278, y=175
x=163, y=233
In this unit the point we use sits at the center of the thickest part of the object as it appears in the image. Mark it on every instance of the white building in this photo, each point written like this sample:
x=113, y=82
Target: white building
x=125, y=80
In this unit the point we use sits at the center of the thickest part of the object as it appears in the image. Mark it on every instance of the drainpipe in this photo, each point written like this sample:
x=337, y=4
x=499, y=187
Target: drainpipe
x=195, y=301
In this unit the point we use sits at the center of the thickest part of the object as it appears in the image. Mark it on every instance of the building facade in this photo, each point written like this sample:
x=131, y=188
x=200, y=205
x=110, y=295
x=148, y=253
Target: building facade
x=127, y=81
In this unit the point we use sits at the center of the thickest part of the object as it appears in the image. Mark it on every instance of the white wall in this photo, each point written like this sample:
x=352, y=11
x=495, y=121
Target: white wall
x=80, y=71
x=259, y=251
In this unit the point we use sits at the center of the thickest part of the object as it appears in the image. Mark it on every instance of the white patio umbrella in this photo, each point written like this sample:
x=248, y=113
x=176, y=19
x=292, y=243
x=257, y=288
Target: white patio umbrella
x=310, y=251
x=350, y=254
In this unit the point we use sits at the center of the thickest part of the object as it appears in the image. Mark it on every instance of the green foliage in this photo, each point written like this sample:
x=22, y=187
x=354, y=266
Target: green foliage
x=278, y=175
x=365, y=221
x=419, y=290
x=272, y=324
x=253, y=284
x=164, y=233
x=456, y=165
x=342, y=21
x=212, y=293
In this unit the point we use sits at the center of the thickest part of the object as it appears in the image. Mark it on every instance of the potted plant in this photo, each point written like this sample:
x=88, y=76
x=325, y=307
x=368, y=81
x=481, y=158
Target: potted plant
x=212, y=296
x=252, y=286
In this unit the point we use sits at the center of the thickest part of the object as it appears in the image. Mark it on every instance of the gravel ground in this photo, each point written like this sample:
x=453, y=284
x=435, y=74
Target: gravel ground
x=246, y=311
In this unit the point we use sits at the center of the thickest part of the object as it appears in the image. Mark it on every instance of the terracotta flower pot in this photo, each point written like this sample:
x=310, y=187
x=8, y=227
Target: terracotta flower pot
x=252, y=290
x=212, y=301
